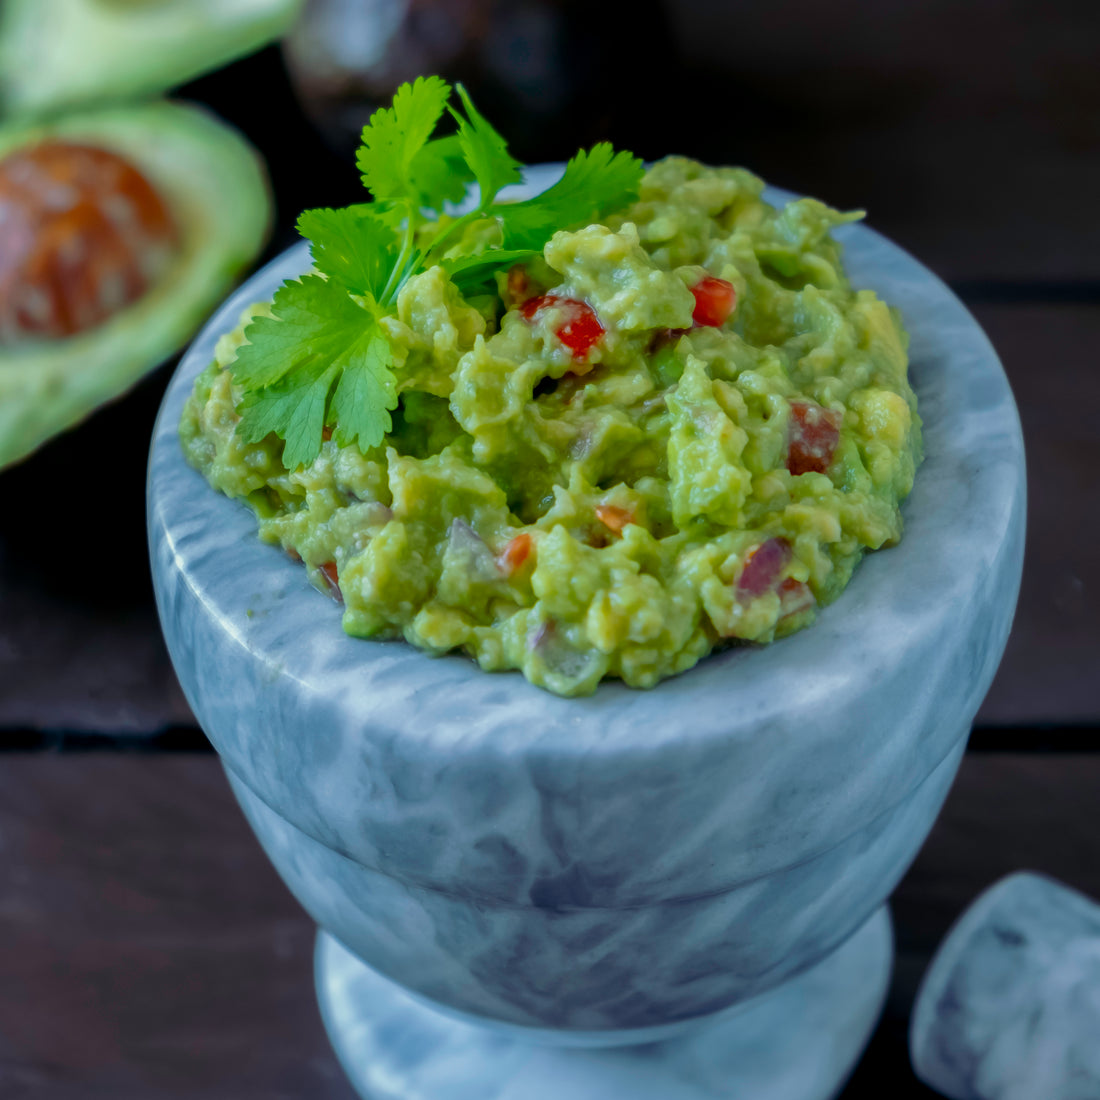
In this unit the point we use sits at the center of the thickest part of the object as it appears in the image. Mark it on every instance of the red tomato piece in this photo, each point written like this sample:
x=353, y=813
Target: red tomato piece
x=812, y=436
x=328, y=571
x=516, y=553
x=580, y=328
x=533, y=305
x=763, y=566
x=613, y=517
x=715, y=300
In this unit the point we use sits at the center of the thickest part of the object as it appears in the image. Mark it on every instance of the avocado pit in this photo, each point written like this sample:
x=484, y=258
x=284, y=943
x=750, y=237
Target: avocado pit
x=83, y=234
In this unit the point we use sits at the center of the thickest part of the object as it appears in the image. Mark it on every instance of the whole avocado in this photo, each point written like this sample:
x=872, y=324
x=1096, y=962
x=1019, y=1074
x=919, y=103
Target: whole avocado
x=215, y=189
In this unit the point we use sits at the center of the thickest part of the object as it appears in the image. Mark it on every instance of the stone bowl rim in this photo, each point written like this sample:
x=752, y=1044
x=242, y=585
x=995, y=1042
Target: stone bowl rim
x=566, y=729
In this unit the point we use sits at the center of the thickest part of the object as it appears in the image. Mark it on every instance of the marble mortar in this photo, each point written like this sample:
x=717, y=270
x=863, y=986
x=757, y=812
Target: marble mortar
x=631, y=859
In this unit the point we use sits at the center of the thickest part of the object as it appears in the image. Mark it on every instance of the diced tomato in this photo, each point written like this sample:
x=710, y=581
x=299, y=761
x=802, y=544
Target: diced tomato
x=613, y=517
x=328, y=571
x=812, y=436
x=580, y=328
x=763, y=566
x=517, y=551
x=715, y=300
x=794, y=596
x=293, y=554
x=519, y=285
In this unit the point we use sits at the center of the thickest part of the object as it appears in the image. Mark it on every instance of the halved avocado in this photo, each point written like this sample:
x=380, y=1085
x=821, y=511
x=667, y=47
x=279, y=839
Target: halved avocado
x=58, y=54
x=217, y=191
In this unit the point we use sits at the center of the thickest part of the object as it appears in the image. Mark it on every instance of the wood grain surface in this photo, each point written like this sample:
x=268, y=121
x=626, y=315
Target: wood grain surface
x=149, y=951
x=968, y=129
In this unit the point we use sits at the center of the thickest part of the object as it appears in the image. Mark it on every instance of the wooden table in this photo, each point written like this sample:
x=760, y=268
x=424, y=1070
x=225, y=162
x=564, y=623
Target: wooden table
x=150, y=951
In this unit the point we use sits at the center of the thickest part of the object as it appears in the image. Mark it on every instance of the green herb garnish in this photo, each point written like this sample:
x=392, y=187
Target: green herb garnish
x=323, y=359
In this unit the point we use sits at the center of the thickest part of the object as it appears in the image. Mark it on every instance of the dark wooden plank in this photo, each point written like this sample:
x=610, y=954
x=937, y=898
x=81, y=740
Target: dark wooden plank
x=967, y=128
x=150, y=952
x=1049, y=671
x=80, y=646
x=66, y=666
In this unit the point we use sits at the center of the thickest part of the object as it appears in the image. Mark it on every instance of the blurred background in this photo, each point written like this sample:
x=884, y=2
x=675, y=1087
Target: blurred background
x=969, y=130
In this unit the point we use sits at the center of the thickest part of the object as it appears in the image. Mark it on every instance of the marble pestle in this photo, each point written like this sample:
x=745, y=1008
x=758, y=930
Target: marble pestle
x=1010, y=1007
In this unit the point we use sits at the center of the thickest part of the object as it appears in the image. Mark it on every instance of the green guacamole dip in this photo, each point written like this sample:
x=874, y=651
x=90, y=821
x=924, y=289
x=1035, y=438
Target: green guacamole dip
x=678, y=429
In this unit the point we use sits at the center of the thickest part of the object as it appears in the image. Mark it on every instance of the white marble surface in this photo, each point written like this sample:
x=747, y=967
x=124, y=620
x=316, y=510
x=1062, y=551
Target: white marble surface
x=631, y=859
x=601, y=967
x=1010, y=1006
x=798, y=1042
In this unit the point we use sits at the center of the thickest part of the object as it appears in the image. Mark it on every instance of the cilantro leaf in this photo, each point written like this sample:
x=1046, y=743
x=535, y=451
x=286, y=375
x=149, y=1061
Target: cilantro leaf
x=594, y=184
x=294, y=409
x=318, y=335
x=439, y=173
x=323, y=358
x=392, y=157
x=359, y=412
x=486, y=152
x=471, y=273
x=353, y=245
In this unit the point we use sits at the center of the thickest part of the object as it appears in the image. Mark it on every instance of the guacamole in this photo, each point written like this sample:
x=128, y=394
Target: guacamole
x=673, y=430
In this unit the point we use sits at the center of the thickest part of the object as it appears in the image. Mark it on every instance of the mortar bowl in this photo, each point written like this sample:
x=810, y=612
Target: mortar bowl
x=687, y=881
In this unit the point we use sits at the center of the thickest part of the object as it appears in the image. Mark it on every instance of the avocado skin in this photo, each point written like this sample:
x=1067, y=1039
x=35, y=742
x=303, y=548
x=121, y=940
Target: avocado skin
x=56, y=55
x=217, y=191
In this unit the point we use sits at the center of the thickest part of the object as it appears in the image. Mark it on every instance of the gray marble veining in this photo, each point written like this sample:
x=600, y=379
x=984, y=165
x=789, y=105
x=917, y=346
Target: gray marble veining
x=1010, y=1007
x=594, y=967
x=633, y=858
x=795, y=1043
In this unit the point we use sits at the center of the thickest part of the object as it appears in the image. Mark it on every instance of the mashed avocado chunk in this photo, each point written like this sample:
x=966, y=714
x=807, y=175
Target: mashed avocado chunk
x=675, y=429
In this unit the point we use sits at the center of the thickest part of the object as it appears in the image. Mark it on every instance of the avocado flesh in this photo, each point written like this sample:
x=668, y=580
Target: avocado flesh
x=217, y=192
x=59, y=54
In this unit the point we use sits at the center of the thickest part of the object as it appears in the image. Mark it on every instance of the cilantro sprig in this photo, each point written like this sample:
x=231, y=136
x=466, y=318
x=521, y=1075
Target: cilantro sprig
x=323, y=358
